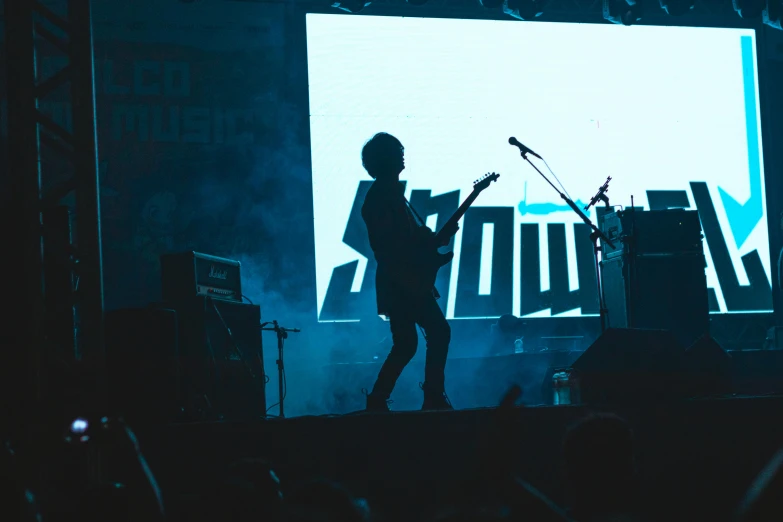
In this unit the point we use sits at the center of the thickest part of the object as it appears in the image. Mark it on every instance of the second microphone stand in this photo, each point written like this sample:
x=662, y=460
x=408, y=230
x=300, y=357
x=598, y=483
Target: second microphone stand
x=282, y=335
x=595, y=236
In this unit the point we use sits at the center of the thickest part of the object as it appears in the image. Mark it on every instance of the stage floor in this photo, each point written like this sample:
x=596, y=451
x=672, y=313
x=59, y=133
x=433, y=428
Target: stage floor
x=480, y=381
x=699, y=455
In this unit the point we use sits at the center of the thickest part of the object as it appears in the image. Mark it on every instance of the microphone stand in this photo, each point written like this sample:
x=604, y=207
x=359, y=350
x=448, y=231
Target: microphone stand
x=595, y=236
x=282, y=335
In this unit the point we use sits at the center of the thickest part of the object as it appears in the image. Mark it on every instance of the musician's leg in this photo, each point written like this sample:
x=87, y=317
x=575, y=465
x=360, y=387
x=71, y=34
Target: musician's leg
x=405, y=339
x=438, y=335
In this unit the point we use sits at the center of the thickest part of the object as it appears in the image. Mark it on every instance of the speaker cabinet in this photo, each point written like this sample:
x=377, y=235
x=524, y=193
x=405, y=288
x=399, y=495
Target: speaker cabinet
x=142, y=356
x=660, y=291
x=222, y=355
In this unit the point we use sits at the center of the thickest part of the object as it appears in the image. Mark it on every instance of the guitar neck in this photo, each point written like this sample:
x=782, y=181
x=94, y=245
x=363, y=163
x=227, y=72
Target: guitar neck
x=454, y=219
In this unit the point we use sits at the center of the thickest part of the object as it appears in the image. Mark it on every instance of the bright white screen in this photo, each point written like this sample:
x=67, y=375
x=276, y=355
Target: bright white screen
x=656, y=108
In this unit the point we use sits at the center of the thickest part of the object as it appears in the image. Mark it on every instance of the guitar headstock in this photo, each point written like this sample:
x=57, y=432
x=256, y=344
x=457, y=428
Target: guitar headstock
x=484, y=181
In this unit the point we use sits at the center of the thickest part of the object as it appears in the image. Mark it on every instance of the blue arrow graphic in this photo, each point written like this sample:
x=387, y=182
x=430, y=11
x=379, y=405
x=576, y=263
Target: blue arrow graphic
x=743, y=217
x=542, y=209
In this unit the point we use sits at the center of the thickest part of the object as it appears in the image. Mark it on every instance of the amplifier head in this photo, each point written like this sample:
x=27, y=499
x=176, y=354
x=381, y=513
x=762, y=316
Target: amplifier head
x=190, y=274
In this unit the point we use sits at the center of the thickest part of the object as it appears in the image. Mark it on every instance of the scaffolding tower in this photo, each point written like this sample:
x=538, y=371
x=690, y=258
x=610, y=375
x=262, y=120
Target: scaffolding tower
x=38, y=227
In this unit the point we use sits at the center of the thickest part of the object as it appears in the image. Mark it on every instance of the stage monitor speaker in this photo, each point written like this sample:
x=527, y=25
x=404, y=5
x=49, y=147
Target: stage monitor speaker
x=222, y=358
x=625, y=365
x=142, y=362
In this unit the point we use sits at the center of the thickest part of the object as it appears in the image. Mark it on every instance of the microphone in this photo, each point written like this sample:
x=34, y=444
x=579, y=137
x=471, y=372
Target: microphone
x=601, y=195
x=524, y=150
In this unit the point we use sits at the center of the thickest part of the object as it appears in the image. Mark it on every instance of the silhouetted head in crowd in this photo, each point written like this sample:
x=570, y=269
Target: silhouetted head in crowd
x=598, y=454
x=322, y=501
x=383, y=157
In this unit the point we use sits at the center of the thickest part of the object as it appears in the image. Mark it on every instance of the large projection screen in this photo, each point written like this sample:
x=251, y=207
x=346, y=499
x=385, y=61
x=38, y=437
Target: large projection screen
x=671, y=112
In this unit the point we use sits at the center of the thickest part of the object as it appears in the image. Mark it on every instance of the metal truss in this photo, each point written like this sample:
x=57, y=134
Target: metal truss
x=29, y=24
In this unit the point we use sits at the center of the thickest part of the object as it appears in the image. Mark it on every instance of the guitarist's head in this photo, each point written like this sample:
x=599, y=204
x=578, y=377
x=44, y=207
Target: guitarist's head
x=383, y=156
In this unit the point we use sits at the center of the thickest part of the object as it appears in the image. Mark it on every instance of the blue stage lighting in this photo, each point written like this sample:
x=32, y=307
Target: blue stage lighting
x=771, y=15
x=625, y=12
x=749, y=9
x=351, y=6
x=524, y=9
x=677, y=7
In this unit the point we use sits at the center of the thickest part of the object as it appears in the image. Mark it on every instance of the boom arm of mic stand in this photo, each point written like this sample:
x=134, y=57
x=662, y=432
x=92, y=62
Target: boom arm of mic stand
x=278, y=328
x=573, y=206
x=587, y=221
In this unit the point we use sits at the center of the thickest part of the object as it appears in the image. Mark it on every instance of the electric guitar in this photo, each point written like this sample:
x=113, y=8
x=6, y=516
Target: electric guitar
x=429, y=259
